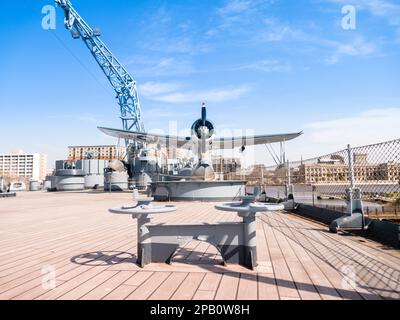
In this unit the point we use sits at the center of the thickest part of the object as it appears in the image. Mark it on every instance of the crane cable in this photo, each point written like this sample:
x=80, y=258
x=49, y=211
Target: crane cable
x=81, y=63
x=107, y=90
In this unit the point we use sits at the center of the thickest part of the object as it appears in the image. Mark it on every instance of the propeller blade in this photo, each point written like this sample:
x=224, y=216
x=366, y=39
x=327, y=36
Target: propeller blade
x=204, y=114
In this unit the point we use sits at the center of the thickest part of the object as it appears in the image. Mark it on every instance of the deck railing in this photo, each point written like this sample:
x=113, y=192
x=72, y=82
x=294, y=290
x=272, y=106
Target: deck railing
x=323, y=180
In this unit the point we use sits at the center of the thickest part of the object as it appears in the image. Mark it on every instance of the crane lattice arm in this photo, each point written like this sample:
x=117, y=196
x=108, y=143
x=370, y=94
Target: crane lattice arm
x=123, y=84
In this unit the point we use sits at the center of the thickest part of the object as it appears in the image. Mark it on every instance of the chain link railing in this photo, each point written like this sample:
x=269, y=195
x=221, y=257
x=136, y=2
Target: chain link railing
x=322, y=181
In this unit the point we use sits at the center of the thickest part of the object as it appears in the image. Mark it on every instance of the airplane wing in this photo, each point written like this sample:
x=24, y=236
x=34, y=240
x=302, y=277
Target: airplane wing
x=237, y=142
x=162, y=140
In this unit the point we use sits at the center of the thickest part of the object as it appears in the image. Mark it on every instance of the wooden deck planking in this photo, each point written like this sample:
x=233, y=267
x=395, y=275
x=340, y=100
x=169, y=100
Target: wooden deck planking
x=77, y=280
x=247, y=287
x=37, y=251
x=120, y=293
x=228, y=287
x=322, y=283
x=208, y=287
x=24, y=266
x=338, y=254
x=32, y=280
x=198, y=252
x=70, y=285
x=306, y=272
x=305, y=286
x=31, y=277
x=267, y=287
x=345, y=262
x=185, y=251
x=204, y=295
x=263, y=256
x=211, y=255
x=69, y=230
x=285, y=283
x=146, y=289
x=297, y=258
x=112, y=283
x=313, y=241
x=188, y=287
x=169, y=286
x=79, y=291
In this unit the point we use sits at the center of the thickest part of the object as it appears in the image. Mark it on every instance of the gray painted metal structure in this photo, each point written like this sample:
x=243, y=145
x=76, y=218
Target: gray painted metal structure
x=69, y=180
x=34, y=185
x=47, y=184
x=198, y=190
x=94, y=170
x=236, y=242
x=8, y=195
x=355, y=218
x=385, y=232
x=115, y=181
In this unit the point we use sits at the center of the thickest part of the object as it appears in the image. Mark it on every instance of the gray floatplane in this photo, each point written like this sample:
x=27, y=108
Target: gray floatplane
x=202, y=141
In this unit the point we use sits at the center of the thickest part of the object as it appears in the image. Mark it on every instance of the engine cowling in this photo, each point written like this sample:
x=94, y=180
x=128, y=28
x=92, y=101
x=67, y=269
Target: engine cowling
x=196, y=128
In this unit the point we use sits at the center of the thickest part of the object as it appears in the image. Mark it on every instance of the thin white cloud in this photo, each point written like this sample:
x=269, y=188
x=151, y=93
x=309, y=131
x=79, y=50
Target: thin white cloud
x=358, y=47
x=153, y=89
x=276, y=30
x=165, y=113
x=239, y=7
x=389, y=10
x=146, y=66
x=182, y=44
x=266, y=66
x=324, y=137
x=372, y=126
x=234, y=7
x=383, y=8
x=174, y=93
x=88, y=118
x=171, y=35
x=213, y=95
x=235, y=13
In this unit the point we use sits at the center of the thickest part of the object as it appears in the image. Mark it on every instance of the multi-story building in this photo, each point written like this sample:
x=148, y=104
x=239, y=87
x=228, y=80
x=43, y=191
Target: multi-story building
x=322, y=173
x=225, y=165
x=109, y=152
x=23, y=166
x=337, y=171
x=390, y=171
x=258, y=174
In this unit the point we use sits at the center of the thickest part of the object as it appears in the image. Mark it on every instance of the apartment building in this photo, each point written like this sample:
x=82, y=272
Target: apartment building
x=106, y=152
x=24, y=166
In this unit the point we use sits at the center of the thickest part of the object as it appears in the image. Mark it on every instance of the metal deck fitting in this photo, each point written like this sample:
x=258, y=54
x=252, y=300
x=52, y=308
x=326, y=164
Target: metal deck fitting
x=236, y=242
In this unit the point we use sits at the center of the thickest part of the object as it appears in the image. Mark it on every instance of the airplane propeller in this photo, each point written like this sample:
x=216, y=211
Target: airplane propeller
x=204, y=114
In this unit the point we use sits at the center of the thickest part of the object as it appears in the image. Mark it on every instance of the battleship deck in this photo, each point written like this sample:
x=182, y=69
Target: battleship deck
x=91, y=253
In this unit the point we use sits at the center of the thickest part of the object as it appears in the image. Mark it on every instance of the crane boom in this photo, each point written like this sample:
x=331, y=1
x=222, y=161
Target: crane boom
x=122, y=82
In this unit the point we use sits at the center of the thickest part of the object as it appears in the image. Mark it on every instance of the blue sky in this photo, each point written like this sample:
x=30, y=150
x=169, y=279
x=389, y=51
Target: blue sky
x=271, y=66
